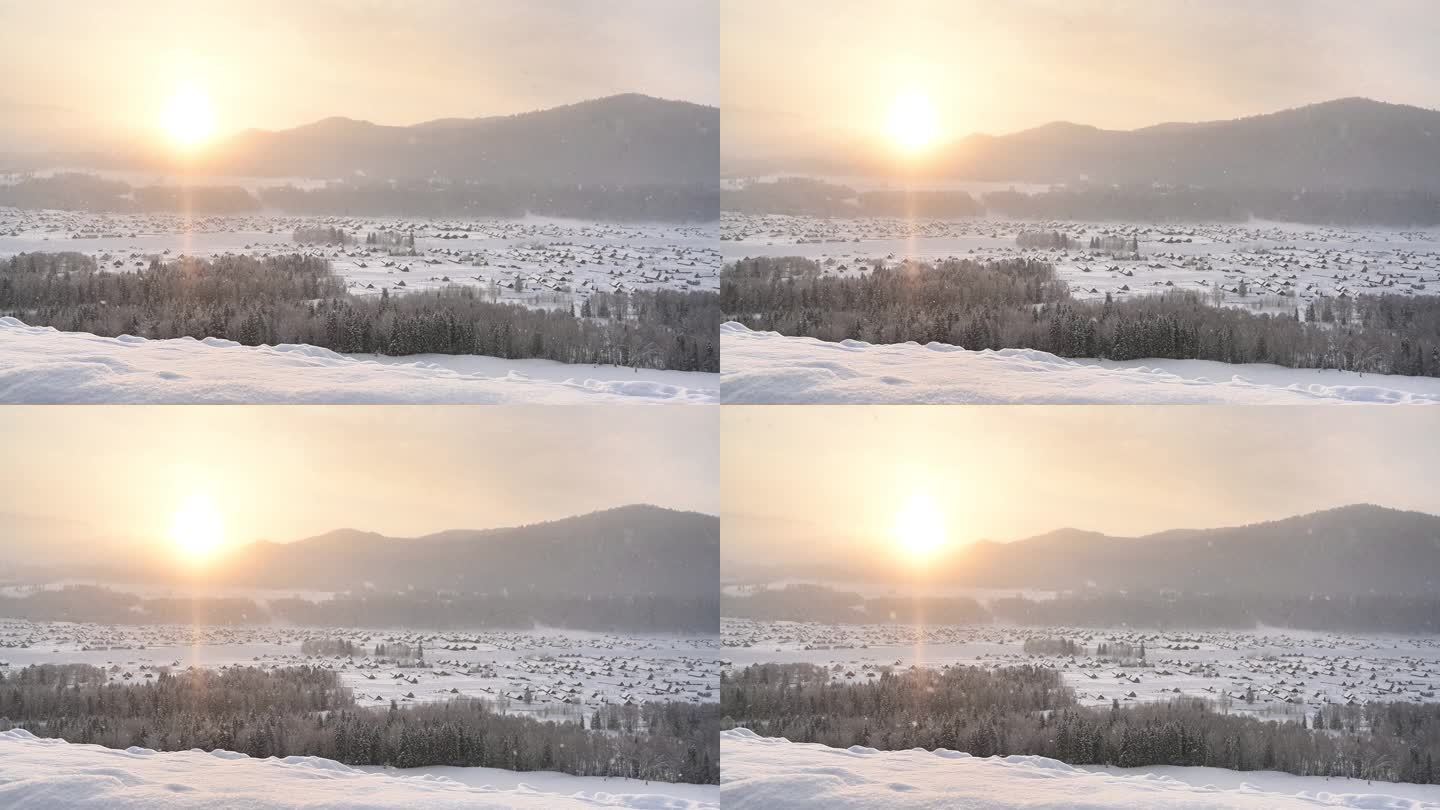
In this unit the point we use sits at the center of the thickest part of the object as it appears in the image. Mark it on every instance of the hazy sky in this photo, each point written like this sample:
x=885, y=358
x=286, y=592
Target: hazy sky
x=802, y=483
x=281, y=63
x=816, y=69
x=285, y=473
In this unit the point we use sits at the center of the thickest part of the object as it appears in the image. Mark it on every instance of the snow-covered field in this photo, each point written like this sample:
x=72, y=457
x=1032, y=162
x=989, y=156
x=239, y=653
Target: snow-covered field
x=1285, y=672
x=547, y=263
x=37, y=774
x=1283, y=266
x=566, y=673
x=40, y=365
x=1266, y=267
x=774, y=773
x=536, y=261
x=770, y=368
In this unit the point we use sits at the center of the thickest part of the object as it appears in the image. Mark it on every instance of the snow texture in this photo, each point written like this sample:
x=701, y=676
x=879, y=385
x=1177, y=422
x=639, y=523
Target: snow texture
x=568, y=673
x=547, y=256
x=759, y=772
x=1281, y=266
x=40, y=365
x=770, y=368
x=1286, y=673
x=41, y=774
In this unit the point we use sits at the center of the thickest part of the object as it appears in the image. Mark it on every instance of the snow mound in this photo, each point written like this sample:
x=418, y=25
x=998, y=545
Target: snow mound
x=759, y=772
x=770, y=368
x=42, y=774
x=40, y=365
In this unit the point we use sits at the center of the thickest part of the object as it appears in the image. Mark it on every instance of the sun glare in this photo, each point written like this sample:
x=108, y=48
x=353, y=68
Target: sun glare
x=920, y=528
x=197, y=530
x=913, y=123
x=189, y=118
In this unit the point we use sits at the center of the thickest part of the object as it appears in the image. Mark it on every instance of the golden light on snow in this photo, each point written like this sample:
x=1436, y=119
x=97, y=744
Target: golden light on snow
x=197, y=529
x=920, y=528
x=188, y=119
x=912, y=123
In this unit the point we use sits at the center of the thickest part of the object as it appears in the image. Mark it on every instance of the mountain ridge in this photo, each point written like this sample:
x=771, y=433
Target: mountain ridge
x=1352, y=549
x=623, y=139
x=1350, y=143
x=636, y=549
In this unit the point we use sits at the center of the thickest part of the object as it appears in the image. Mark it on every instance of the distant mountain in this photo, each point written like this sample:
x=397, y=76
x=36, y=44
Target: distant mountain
x=630, y=550
x=1345, y=144
x=1350, y=550
x=626, y=139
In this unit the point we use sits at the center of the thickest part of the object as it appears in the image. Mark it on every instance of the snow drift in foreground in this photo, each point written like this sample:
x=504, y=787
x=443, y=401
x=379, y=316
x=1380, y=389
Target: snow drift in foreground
x=759, y=772
x=770, y=368
x=38, y=773
x=41, y=365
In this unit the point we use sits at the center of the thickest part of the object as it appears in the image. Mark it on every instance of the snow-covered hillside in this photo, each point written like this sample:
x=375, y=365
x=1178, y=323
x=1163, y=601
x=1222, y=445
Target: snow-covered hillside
x=38, y=774
x=774, y=773
x=40, y=365
x=770, y=368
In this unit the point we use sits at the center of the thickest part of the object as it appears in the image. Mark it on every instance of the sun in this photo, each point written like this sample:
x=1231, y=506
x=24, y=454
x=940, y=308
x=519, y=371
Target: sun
x=188, y=119
x=198, y=530
x=913, y=124
x=920, y=528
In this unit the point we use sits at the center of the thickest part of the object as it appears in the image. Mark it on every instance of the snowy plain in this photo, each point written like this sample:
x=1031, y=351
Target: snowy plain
x=536, y=262
x=1285, y=672
x=557, y=262
x=1261, y=266
x=760, y=772
x=41, y=774
x=1283, y=265
x=40, y=365
x=565, y=672
x=767, y=368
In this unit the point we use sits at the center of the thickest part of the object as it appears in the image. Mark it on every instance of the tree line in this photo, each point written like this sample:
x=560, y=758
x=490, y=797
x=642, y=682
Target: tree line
x=332, y=647
x=1110, y=244
x=440, y=611
x=799, y=196
x=322, y=235
x=817, y=603
x=595, y=202
x=1345, y=613
x=1027, y=710
x=304, y=711
x=78, y=191
x=1019, y=303
x=698, y=613
x=1349, y=613
x=1047, y=645
x=300, y=299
